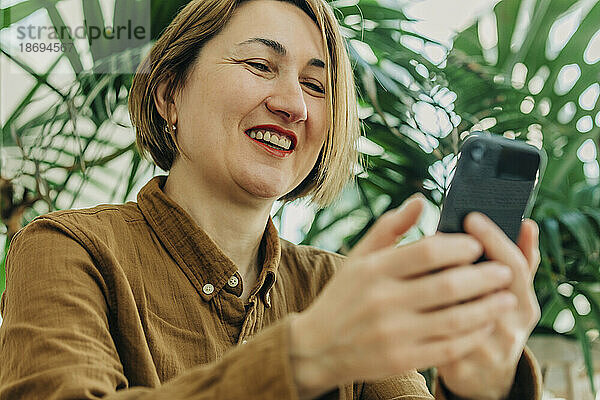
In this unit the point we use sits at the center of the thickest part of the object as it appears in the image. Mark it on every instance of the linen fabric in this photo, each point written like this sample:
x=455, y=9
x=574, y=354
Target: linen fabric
x=135, y=301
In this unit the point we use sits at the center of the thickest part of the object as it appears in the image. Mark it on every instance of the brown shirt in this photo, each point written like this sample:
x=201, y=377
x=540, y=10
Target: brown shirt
x=135, y=301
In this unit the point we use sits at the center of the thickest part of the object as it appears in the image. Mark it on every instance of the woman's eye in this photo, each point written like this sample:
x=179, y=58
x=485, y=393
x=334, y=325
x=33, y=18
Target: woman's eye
x=259, y=66
x=314, y=87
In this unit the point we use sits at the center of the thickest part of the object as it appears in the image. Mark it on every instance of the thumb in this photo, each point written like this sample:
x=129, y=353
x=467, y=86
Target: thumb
x=390, y=225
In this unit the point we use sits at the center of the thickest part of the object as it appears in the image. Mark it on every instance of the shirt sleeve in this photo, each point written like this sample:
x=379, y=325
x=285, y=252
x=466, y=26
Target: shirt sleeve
x=56, y=343
x=526, y=386
x=411, y=386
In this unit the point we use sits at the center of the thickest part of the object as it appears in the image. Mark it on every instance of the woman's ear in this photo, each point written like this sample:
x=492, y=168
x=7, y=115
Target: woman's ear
x=161, y=103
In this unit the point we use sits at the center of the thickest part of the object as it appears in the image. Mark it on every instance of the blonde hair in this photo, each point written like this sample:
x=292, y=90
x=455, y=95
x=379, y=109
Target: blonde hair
x=171, y=59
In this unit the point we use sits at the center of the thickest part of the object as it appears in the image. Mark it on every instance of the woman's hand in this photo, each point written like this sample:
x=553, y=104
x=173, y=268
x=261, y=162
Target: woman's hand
x=488, y=372
x=393, y=309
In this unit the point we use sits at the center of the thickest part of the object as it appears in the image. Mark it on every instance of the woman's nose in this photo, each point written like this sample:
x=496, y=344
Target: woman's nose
x=288, y=102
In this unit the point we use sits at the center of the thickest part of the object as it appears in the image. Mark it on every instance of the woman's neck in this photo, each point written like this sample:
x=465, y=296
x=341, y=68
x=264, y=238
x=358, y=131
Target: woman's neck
x=237, y=228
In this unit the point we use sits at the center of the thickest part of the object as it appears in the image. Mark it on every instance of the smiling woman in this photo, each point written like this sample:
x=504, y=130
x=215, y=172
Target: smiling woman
x=252, y=83
x=189, y=293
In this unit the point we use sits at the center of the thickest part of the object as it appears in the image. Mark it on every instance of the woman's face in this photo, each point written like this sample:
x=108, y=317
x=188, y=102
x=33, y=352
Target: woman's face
x=262, y=75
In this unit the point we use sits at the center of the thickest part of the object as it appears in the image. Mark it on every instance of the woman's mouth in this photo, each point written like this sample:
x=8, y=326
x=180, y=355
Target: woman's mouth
x=271, y=140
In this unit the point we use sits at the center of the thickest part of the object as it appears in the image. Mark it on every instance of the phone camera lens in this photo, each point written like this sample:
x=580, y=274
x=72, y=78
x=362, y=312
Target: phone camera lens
x=477, y=152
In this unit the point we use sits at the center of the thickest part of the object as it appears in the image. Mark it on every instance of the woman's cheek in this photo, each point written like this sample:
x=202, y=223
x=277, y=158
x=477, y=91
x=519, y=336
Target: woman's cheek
x=251, y=85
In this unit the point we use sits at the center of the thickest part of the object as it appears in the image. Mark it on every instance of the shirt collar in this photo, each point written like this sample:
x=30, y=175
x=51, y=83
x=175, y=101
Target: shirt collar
x=195, y=252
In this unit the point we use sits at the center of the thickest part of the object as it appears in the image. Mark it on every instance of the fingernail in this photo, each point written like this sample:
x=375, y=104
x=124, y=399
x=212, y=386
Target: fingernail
x=410, y=199
x=477, y=218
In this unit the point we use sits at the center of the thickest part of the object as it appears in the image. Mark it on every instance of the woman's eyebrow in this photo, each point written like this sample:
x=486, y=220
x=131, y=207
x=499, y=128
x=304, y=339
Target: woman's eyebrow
x=280, y=49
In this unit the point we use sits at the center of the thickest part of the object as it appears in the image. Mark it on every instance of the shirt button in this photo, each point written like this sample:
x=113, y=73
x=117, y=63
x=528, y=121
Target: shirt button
x=244, y=341
x=208, y=288
x=233, y=281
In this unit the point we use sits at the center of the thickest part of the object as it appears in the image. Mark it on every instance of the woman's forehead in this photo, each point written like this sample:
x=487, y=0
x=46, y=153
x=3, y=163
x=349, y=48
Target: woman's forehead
x=275, y=26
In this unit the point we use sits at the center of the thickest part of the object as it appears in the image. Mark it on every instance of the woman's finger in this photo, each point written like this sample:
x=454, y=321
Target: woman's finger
x=432, y=253
x=390, y=226
x=497, y=245
x=457, y=284
x=445, y=350
x=500, y=248
x=466, y=316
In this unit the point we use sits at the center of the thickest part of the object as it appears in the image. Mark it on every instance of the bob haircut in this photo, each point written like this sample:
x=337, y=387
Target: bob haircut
x=174, y=53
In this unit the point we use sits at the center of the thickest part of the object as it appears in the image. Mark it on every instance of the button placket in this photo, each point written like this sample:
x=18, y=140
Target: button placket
x=248, y=325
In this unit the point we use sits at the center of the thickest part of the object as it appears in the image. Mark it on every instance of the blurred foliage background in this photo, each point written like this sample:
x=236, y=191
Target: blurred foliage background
x=529, y=70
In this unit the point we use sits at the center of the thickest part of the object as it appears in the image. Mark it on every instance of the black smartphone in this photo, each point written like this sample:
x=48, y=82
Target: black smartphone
x=496, y=176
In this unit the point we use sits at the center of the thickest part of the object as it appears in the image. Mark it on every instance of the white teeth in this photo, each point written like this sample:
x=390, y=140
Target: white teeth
x=273, y=138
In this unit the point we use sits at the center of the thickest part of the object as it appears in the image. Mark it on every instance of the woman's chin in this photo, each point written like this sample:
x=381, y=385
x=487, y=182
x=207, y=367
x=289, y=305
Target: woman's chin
x=267, y=189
